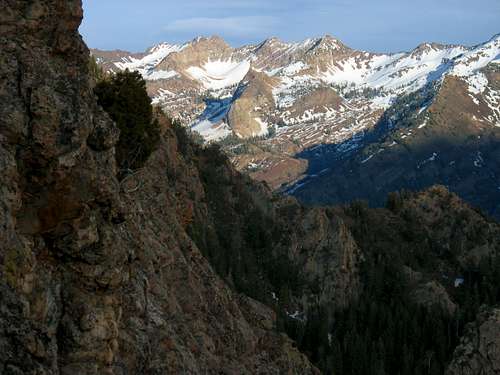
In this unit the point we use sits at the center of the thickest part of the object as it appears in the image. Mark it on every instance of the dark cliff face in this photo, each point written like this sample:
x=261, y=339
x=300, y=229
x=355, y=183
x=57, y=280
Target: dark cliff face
x=59, y=195
x=101, y=276
x=98, y=276
x=479, y=349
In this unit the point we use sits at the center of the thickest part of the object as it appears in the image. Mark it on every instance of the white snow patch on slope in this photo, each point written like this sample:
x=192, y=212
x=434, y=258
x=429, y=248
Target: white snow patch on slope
x=264, y=130
x=423, y=125
x=163, y=95
x=479, y=161
x=368, y=158
x=218, y=74
x=291, y=69
x=431, y=159
x=212, y=132
x=477, y=83
x=297, y=315
x=492, y=98
x=161, y=74
x=424, y=108
x=382, y=101
x=413, y=71
x=349, y=71
x=291, y=88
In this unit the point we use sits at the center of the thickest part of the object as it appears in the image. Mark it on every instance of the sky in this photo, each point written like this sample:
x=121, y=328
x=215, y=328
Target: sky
x=371, y=25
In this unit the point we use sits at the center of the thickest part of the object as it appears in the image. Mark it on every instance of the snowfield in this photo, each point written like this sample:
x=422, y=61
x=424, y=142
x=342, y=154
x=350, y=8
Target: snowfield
x=210, y=131
x=161, y=74
x=216, y=75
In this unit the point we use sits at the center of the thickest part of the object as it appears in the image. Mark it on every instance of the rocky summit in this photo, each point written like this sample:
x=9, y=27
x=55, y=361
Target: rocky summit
x=185, y=265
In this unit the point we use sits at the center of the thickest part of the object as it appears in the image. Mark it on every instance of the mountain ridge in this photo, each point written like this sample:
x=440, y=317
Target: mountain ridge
x=269, y=103
x=216, y=67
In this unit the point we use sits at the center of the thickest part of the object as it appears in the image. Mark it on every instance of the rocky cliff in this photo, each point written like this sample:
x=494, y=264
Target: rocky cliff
x=108, y=276
x=479, y=351
x=98, y=276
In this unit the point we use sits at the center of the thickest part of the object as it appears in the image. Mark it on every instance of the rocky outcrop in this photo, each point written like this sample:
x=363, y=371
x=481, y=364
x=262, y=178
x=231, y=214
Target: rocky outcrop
x=60, y=199
x=318, y=101
x=434, y=295
x=98, y=276
x=197, y=53
x=326, y=253
x=479, y=350
x=245, y=116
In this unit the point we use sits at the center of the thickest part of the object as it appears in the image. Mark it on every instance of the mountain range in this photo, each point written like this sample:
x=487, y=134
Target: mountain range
x=316, y=118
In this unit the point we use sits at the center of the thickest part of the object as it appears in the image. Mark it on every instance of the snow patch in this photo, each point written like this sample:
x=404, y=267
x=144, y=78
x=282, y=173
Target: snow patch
x=479, y=161
x=431, y=159
x=422, y=109
x=458, y=282
x=477, y=58
x=218, y=74
x=382, y=101
x=289, y=70
x=297, y=315
x=477, y=83
x=161, y=74
x=423, y=125
x=263, y=127
x=368, y=158
x=210, y=131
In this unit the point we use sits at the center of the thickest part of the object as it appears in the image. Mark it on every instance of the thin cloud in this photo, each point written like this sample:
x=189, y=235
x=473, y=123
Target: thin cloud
x=230, y=26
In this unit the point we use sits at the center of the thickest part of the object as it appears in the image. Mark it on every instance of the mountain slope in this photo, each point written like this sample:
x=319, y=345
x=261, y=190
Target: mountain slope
x=454, y=142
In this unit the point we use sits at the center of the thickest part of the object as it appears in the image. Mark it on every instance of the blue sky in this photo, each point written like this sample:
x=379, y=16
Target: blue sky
x=373, y=25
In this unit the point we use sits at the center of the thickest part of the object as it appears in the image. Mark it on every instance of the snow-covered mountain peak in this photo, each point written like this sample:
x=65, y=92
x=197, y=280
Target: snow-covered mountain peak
x=272, y=41
x=426, y=48
x=318, y=96
x=150, y=60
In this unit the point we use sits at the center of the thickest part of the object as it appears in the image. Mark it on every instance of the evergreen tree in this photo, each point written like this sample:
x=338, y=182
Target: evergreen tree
x=125, y=98
x=96, y=72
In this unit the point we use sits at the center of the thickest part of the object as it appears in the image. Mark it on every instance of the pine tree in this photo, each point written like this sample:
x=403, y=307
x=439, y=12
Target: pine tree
x=125, y=98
